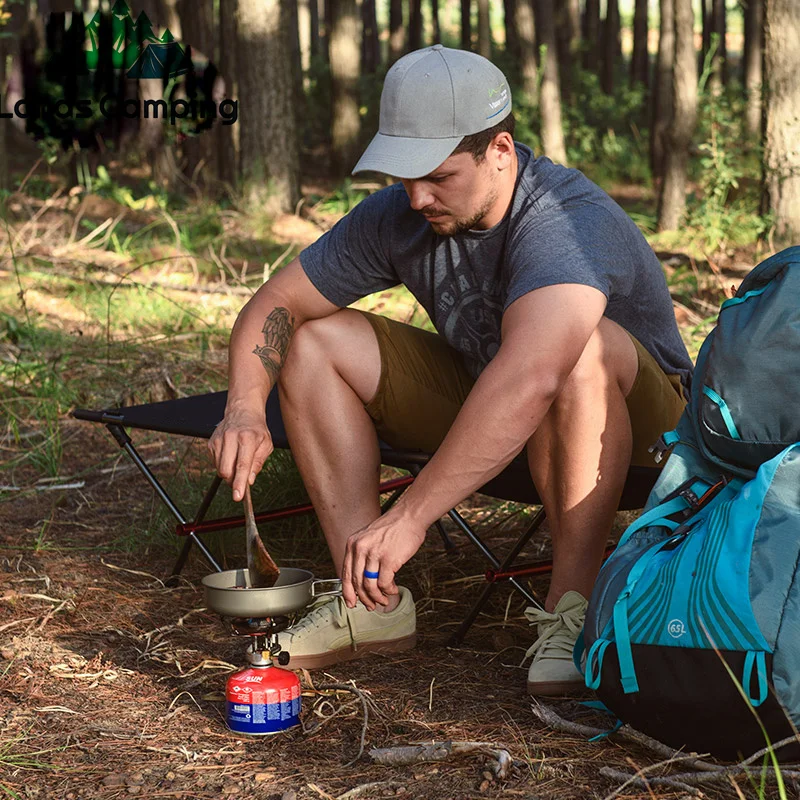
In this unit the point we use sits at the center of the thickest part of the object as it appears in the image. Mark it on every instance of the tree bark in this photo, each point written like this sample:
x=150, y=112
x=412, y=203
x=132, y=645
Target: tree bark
x=270, y=165
x=640, y=60
x=304, y=36
x=397, y=33
x=705, y=17
x=199, y=34
x=484, y=29
x=568, y=33
x=591, y=36
x=781, y=151
x=415, y=25
x=371, y=46
x=672, y=200
x=753, y=55
x=228, y=144
x=719, y=69
x=526, y=31
x=5, y=171
x=437, y=28
x=313, y=14
x=345, y=119
x=612, y=48
x=662, y=93
x=550, y=95
x=466, y=25
x=512, y=39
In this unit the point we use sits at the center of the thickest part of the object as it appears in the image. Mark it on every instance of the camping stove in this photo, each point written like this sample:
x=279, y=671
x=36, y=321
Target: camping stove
x=262, y=699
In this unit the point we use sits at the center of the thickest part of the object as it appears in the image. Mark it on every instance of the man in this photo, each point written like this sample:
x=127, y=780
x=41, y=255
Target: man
x=556, y=336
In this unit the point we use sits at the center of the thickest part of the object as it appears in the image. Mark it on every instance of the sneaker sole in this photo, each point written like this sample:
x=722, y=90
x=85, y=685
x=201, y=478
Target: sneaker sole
x=557, y=688
x=320, y=660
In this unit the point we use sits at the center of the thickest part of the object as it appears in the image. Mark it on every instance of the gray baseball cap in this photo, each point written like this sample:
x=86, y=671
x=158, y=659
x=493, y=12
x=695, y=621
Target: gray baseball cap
x=431, y=100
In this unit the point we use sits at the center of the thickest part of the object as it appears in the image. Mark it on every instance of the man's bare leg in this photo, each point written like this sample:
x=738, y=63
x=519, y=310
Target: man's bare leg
x=579, y=458
x=332, y=370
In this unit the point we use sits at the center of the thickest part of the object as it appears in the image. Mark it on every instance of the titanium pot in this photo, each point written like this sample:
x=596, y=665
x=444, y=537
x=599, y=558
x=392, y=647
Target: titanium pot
x=229, y=593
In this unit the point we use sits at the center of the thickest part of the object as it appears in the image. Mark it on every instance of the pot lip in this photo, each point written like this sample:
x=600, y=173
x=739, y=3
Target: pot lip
x=304, y=577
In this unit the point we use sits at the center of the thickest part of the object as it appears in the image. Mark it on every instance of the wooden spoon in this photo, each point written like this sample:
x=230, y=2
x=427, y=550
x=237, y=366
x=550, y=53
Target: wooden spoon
x=263, y=570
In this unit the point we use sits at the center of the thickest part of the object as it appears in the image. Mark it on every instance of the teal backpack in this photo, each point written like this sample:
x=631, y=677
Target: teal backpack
x=693, y=629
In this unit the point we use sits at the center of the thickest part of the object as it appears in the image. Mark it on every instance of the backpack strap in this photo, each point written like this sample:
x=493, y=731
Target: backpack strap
x=724, y=409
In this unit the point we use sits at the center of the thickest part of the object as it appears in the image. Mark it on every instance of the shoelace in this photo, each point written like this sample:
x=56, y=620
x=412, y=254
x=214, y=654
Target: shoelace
x=557, y=632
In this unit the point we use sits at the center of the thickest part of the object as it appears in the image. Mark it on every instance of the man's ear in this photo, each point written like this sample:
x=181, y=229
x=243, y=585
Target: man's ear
x=502, y=150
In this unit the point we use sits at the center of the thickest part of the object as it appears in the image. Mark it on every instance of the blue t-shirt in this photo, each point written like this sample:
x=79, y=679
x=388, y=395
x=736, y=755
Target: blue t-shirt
x=560, y=228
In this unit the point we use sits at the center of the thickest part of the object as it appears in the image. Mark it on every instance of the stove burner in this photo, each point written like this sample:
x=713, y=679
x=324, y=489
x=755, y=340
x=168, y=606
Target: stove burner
x=264, y=633
x=253, y=626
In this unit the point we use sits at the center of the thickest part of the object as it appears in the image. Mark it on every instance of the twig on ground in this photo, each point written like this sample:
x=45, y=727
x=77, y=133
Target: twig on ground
x=349, y=687
x=441, y=751
x=554, y=721
x=145, y=575
x=367, y=789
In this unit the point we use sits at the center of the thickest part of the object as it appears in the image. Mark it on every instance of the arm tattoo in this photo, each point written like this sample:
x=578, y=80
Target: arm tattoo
x=278, y=329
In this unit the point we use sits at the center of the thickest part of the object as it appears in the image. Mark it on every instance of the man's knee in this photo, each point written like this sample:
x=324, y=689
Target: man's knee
x=609, y=360
x=340, y=345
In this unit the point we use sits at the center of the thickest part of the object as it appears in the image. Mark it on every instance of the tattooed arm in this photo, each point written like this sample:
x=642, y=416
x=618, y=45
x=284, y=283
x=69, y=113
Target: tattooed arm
x=259, y=344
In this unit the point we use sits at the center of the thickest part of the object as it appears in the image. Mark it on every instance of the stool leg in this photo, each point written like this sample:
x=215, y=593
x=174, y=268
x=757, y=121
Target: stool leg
x=458, y=637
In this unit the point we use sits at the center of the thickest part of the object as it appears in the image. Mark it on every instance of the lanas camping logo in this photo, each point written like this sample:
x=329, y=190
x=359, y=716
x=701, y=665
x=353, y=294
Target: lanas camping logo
x=135, y=46
x=72, y=88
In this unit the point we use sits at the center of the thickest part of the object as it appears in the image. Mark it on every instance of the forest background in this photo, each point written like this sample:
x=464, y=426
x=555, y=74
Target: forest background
x=128, y=243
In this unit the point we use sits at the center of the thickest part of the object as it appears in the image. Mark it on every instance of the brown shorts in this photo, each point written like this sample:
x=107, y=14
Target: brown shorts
x=424, y=382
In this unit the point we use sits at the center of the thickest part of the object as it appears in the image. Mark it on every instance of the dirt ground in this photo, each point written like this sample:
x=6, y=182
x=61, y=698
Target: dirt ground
x=111, y=683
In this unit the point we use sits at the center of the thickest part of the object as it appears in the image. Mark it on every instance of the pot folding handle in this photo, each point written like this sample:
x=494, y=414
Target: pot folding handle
x=335, y=591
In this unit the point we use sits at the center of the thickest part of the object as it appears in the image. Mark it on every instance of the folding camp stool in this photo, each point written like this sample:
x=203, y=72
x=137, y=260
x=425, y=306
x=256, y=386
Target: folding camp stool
x=198, y=416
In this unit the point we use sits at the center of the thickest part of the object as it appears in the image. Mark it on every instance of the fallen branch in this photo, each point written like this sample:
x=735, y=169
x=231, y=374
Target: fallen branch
x=367, y=789
x=347, y=687
x=441, y=751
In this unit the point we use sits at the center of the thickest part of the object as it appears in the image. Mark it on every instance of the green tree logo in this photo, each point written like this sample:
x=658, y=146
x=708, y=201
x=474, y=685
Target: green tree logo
x=135, y=46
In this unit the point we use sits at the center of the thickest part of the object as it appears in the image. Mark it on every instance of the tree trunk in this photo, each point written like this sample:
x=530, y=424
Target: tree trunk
x=568, y=33
x=228, y=143
x=719, y=69
x=662, y=94
x=345, y=119
x=435, y=21
x=270, y=165
x=612, y=48
x=484, y=29
x=5, y=172
x=313, y=27
x=640, y=60
x=526, y=31
x=371, y=46
x=781, y=151
x=415, y=24
x=591, y=36
x=512, y=39
x=672, y=201
x=753, y=55
x=550, y=97
x=199, y=34
x=397, y=33
x=304, y=36
x=705, y=17
x=466, y=25
x=292, y=10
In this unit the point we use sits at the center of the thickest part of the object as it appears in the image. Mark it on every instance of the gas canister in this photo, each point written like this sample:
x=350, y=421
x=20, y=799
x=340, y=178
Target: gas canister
x=262, y=699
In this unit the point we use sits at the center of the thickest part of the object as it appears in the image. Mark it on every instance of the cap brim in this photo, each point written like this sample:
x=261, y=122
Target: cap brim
x=403, y=157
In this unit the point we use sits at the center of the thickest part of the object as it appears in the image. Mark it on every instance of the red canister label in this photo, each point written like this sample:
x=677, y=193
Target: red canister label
x=262, y=700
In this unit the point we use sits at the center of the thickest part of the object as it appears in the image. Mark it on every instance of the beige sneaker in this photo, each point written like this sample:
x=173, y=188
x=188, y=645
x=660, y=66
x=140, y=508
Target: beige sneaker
x=552, y=671
x=331, y=632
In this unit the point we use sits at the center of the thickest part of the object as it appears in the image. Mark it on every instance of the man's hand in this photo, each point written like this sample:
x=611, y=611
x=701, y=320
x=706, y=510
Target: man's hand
x=239, y=446
x=382, y=547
